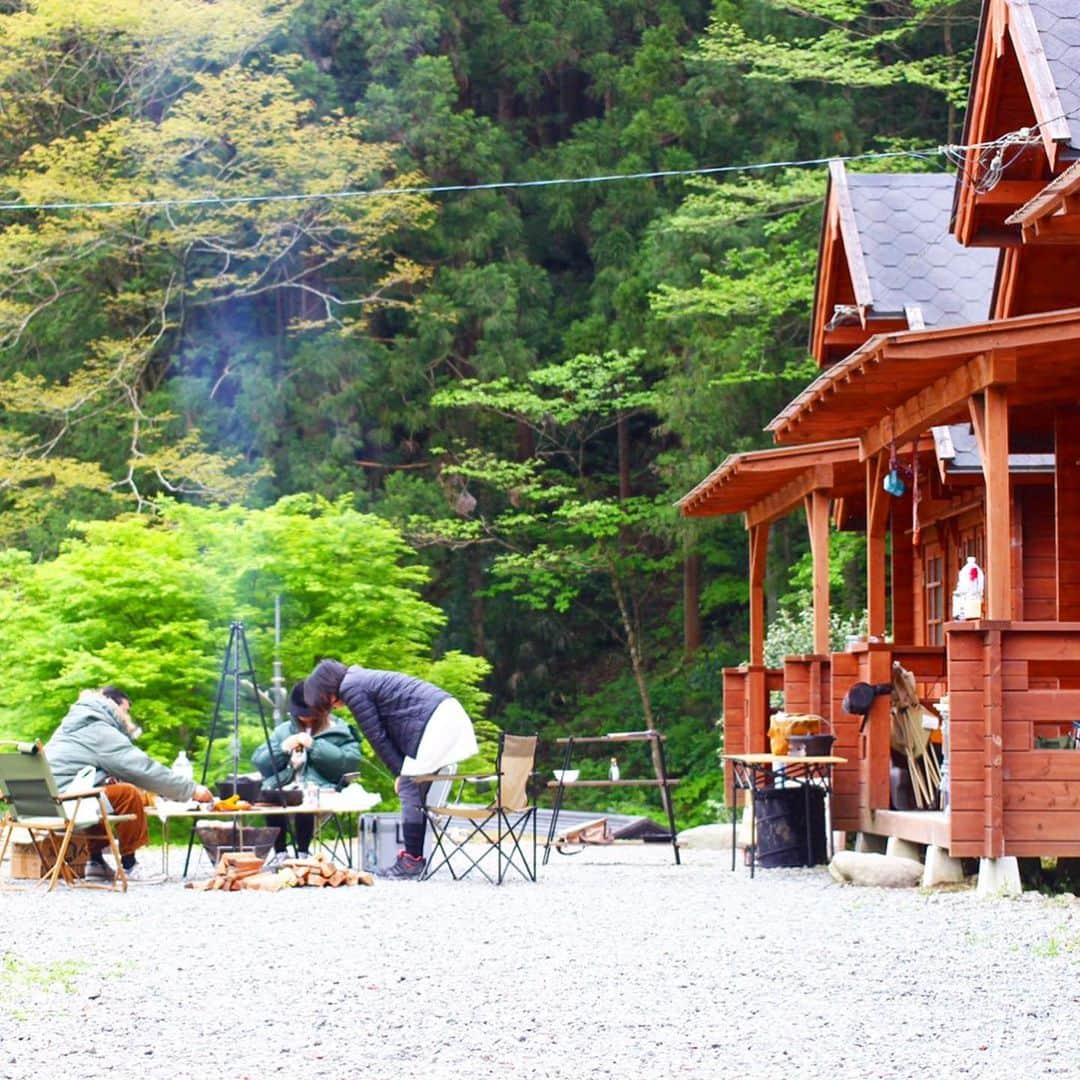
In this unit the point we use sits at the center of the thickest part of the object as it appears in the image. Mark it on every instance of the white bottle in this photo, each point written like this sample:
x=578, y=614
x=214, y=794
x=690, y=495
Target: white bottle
x=970, y=584
x=613, y=769
x=182, y=766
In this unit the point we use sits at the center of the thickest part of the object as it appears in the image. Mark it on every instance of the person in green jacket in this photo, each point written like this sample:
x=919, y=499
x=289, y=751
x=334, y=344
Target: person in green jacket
x=311, y=747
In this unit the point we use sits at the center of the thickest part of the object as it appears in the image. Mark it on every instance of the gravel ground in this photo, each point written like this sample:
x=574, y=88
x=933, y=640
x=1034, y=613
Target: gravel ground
x=616, y=964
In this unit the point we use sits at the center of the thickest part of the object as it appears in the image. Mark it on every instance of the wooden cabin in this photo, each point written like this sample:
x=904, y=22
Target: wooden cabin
x=952, y=360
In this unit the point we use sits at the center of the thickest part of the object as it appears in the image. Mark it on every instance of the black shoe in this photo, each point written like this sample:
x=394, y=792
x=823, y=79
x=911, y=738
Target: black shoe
x=407, y=866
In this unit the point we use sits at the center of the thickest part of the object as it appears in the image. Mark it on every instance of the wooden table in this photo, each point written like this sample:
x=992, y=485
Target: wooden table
x=660, y=780
x=753, y=771
x=240, y=818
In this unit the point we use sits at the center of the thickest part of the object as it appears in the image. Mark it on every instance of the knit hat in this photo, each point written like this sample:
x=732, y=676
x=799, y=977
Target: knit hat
x=321, y=686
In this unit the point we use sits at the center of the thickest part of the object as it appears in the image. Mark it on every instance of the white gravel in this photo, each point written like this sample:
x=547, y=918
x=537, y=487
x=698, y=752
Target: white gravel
x=616, y=964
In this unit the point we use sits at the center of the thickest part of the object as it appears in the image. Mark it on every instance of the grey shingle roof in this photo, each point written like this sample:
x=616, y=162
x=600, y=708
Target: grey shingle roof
x=1058, y=23
x=957, y=447
x=910, y=255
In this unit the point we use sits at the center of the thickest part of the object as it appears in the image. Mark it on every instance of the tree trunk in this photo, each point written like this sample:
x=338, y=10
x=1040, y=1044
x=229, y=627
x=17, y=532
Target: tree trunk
x=624, y=457
x=691, y=600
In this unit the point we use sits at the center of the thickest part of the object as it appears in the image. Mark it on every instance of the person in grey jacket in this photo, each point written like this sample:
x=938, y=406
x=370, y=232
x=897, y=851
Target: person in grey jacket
x=98, y=732
x=413, y=726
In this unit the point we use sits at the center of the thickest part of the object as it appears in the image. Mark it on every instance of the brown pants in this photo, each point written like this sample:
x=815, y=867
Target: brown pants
x=130, y=835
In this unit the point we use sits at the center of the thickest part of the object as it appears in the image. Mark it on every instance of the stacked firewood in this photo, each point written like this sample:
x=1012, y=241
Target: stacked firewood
x=243, y=870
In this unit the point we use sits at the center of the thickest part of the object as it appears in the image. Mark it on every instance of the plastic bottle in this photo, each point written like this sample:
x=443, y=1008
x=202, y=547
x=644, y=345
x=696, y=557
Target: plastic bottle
x=182, y=766
x=613, y=769
x=970, y=584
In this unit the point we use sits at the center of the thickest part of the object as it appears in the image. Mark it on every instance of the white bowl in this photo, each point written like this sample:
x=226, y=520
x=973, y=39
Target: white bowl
x=566, y=776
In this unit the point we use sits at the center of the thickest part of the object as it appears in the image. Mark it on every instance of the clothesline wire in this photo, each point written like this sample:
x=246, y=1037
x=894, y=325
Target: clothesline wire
x=950, y=152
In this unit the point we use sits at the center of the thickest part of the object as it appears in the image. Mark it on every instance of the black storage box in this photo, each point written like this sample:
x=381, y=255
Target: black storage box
x=780, y=825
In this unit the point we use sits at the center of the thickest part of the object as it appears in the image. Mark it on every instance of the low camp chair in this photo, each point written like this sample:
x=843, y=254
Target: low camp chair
x=53, y=820
x=505, y=829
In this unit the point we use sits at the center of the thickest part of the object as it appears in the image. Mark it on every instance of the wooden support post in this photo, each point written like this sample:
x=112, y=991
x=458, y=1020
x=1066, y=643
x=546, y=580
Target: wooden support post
x=903, y=578
x=1067, y=511
x=757, y=710
x=876, y=738
x=817, y=522
x=990, y=418
x=759, y=546
x=993, y=747
x=877, y=504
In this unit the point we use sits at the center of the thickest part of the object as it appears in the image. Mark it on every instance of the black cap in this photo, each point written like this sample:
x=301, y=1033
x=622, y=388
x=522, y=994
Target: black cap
x=297, y=706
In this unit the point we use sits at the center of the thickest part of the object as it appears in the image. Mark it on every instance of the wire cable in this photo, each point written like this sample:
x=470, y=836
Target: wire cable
x=954, y=153
x=442, y=189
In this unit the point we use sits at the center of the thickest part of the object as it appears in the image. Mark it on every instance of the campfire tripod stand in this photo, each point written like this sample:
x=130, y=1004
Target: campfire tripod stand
x=238, y=672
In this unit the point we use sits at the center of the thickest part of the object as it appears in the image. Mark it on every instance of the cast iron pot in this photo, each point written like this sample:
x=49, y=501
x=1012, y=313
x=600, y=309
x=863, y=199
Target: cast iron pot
x=245, y=787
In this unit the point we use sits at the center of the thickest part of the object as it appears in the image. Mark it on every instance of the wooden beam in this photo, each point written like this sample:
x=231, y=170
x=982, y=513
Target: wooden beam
x=817, y=522
x=903, y=573
x=784, y=500
x=994, y=444
x=1011, y=193
x=759, y=546
x=941, y=399
x=877, y=502
x=1061, y=229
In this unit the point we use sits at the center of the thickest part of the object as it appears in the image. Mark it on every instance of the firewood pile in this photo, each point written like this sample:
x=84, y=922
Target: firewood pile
x=243, y=870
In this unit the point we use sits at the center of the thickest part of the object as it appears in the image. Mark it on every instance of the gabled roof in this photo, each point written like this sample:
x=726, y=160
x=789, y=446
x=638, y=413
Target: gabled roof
x=887, y=261
x=912, y=260
x=1058, y=26
x=1025, y=85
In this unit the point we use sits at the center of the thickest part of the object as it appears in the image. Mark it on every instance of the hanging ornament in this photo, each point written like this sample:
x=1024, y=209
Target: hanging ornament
x=916, y=494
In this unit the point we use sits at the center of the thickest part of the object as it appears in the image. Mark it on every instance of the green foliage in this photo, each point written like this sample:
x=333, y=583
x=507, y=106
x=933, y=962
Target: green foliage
x=147, y=603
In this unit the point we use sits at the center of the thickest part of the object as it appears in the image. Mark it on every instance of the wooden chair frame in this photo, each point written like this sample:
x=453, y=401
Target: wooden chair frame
x=34, y=804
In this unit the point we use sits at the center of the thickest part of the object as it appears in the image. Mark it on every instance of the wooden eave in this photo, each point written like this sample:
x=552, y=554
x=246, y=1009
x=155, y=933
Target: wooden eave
x=1008, y=30
x=767, y=484
x=1053, y=216
x=899, y=385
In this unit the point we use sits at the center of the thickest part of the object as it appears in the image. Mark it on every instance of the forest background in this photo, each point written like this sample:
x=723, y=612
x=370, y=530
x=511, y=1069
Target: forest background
x=445, y=425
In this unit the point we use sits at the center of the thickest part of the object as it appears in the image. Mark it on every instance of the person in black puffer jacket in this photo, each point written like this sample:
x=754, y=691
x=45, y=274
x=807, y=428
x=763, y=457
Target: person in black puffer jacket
x=413, y=726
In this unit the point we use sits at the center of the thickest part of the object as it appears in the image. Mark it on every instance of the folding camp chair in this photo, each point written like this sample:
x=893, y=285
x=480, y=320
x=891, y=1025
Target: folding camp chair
x=53, y=820
x=506, y=828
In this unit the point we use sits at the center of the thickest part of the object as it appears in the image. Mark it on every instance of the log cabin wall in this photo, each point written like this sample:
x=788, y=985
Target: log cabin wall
x=1008, y=796
x=844, y=670
x=746, y=712
x=1038, y=553
x=806, y=685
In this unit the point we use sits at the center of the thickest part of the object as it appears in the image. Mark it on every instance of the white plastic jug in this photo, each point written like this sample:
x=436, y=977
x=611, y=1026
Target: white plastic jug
x=182, y=766
x=970, y=585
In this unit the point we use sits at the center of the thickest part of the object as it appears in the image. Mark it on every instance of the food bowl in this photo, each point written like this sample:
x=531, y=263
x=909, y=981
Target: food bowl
x=244, y=787
x=281, y=796
x=566, y=776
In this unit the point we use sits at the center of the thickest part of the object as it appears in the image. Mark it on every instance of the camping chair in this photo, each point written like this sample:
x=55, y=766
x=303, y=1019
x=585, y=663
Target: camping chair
x=502, y=828
x=53, y=820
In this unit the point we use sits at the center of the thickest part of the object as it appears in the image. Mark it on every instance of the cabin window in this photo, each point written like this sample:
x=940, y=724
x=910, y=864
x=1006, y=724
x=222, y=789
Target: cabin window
x=935, y=597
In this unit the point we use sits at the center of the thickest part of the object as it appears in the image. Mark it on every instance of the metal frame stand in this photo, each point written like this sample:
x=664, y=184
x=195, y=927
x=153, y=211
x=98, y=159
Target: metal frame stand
x=236, y=668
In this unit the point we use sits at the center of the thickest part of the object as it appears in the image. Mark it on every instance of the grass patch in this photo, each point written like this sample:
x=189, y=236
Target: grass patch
x=21, y=979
